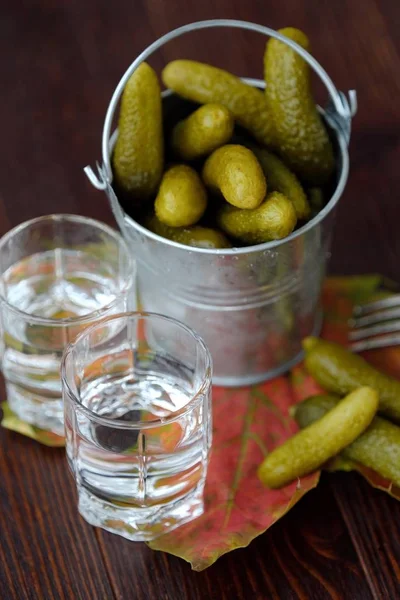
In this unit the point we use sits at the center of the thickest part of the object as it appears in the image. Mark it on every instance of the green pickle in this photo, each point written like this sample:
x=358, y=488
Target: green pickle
x=301, y=136
x=204, y=83
x=281, y=179
x=182, y=198
x=378, y=448
x=197, y=236
x=138, y=157
x=340, y=371
x=273, y=220
x=316, y=198
x=235, y=172
x=205, y=130
x=311, y=447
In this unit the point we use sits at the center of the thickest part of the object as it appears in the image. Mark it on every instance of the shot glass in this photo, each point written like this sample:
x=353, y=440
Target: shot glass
x=137, y=401
x=58, y=274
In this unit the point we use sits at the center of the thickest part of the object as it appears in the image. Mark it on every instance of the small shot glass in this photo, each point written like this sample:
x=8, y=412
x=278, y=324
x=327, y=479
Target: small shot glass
x=137, y=399
x=58, y=274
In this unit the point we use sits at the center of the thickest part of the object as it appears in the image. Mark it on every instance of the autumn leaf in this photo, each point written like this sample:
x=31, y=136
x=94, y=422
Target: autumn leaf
x=238, y=507
x=14, y=423
x=340, y=294
x=250, y=422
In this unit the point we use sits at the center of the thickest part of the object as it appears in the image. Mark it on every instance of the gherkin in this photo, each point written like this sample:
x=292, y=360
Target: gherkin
x=340, y=371
x=377, y=448
x=204, y=83
x=196, y=236
x=281, y=179
x=273, y=220
x=235, y=172
x=139, y=151
x=300, y=135
x=182, y=197
x=205, y=130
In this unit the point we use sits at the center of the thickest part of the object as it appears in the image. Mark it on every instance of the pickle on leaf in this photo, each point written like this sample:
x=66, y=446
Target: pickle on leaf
x=378, y=448
x=311, y=447
x=340, y=371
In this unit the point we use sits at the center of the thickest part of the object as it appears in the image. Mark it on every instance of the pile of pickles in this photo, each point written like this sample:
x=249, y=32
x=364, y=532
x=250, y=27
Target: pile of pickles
x=358, y=420
x=243, y=167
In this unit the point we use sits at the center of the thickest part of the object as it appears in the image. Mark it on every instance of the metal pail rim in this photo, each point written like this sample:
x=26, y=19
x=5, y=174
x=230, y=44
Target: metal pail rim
x=338, y=114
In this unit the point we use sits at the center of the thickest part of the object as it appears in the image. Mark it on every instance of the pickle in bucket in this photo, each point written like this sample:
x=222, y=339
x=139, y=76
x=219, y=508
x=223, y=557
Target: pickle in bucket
x=301, y=137
x=235, y=172
x=138, y=157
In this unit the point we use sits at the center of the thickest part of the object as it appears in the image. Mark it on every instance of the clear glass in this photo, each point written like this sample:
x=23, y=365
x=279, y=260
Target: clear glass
x=137, y=400
x=58, y=274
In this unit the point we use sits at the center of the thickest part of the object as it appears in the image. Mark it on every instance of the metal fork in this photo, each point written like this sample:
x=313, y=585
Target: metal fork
x=376, y=325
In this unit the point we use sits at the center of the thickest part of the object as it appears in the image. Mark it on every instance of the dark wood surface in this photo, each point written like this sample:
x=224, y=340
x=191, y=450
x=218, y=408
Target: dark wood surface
x=60, y=62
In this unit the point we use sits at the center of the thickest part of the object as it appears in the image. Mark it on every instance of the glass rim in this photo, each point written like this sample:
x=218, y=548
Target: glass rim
x=196, y=396
x=127, y=281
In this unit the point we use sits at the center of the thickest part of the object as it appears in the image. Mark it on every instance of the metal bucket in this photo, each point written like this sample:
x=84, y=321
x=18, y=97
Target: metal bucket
x=252, y=305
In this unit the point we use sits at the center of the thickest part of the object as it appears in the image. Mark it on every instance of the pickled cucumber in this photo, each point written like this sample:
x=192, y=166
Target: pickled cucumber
x=139, y=151
x=313, y=446
x=301, y=137
x=234, y=171
x=281, y=179
x=182, y=197
x=205, y=130
x=197, y=237
x=377, y=448
x=273, y=220
x=340, y=371
x=316, y=198
x=203, y=83
x=313, y=408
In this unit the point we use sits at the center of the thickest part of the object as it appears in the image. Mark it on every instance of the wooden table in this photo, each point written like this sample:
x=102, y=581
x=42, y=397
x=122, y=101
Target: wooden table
x=60, y=62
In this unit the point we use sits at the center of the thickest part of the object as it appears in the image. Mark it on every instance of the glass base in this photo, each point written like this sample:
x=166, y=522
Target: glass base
x=41, y=411
x=140, y=524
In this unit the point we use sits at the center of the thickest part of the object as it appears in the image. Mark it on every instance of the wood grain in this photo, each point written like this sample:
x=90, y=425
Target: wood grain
x=60, y=64
x=46, y=550
x=306, y=555
x=372, y=519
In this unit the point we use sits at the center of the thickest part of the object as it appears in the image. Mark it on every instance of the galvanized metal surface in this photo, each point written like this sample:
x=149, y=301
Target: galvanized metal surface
x=251, y=305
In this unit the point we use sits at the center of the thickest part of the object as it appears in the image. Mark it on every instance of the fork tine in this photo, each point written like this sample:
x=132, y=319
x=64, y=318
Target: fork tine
x=366, y=332
x=364, y=309
x=385, y=341
x=376, y=317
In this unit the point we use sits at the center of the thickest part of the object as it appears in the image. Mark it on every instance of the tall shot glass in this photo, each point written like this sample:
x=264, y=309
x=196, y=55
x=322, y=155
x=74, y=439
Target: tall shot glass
x=137, y=398
x=58, y=274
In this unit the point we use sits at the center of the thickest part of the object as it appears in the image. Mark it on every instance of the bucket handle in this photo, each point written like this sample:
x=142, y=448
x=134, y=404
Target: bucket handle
x=340, y=109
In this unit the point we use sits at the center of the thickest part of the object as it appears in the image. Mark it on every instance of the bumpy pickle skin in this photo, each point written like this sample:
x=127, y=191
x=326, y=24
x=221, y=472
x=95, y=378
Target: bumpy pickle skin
x=281, y=179
x=340, y=371
x=301, y=137
x=235, y=172
x=204, y=83
x=182, y=198
x=311, y=447
x=378, y=448
x=138, y=157
x=205, y=130
x=196, y=237
x=273, y=220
